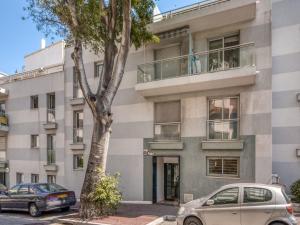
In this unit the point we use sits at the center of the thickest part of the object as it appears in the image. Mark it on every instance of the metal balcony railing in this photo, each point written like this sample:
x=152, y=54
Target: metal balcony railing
x=167, y=131
x=186, y=9
x=51, y=115
x=222, y=59
x=78, y=135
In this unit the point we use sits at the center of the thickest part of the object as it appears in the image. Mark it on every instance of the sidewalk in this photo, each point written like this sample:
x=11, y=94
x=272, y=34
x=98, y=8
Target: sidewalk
x=127, y=214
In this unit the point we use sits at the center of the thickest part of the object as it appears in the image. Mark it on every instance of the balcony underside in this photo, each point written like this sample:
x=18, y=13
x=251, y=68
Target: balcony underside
x=202, y=82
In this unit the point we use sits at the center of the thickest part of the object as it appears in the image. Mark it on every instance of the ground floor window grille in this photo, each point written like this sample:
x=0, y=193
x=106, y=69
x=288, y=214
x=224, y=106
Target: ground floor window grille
x=223, y=166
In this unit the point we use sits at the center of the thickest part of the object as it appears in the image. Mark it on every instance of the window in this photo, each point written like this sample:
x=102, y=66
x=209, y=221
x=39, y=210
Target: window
x=167, y=121
x=252, y=194
x=35, y=141
x=78, y=127
x=14, y=190
x=51, y=179
x=23, y=190
x=34, y=102
x=50, y=149
x=78, y=161
x=34, y=178
x=98, y=69
x=223, y=166
x=223, y=118
x=19, y=178
x=77, y=93
x=224, y=53
x=228, y=196
x=51, y=107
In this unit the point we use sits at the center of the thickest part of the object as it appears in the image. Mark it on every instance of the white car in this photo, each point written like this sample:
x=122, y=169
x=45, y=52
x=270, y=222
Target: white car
x=240, y=204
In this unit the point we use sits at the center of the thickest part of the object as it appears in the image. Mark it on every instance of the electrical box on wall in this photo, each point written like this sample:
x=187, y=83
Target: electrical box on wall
x=298, y=152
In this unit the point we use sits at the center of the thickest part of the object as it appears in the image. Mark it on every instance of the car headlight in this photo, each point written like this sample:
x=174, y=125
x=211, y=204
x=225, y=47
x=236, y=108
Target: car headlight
x=181, y=211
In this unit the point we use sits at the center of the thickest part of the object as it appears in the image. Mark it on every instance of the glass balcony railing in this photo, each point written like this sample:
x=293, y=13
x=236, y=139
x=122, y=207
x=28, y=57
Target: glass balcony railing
x=204, y=62
x=167, y=131
x=77, y=135
x=50, y=156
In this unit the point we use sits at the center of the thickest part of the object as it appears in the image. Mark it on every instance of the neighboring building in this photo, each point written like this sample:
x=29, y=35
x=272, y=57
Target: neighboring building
x=193, y=112
x=286, y=89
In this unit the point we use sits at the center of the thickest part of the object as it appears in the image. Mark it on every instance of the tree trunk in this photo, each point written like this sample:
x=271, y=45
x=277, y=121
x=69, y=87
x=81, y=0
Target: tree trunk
x=97, y=159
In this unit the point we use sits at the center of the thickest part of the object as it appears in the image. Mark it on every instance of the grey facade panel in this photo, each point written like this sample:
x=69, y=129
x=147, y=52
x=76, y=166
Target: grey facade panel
x=286, y=63
x=285, y=99
x=193, y=177
x=286, y=135
x=287, y=171
x=285, y=13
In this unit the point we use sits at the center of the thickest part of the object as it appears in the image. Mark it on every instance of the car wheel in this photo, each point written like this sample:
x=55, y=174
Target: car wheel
x=34, y=210
x=192, y=221
x=65, y=209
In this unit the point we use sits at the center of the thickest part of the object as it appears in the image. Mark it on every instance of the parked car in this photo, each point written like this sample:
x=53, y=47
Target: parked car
x=37, y=198
x=3, y=189
x=240, y=204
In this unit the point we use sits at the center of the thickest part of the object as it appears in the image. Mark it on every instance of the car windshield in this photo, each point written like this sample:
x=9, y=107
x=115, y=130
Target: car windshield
x=50, y=188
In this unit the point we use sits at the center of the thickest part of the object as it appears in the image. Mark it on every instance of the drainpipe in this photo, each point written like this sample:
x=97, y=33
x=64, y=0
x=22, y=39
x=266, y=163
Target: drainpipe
x=190, y=53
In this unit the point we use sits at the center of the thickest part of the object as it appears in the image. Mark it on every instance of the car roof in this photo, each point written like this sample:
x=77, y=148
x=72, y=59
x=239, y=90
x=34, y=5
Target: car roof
x=273, y=186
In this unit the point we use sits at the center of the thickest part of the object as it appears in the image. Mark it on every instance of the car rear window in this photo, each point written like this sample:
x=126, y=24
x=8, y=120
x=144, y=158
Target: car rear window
x=287, y=198
x=50, y=188
x=253, y=194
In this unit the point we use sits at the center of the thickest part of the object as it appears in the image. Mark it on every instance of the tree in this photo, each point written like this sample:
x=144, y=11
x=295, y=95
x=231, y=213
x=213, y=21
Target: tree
x=107, y=27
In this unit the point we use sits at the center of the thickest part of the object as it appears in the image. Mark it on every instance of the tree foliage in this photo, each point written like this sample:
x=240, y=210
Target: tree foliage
x=295, y=190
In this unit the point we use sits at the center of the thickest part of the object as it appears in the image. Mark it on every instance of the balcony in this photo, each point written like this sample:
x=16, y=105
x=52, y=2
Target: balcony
x=3, y=123
x=77, y=139
x=220, y=68
x=51, y=122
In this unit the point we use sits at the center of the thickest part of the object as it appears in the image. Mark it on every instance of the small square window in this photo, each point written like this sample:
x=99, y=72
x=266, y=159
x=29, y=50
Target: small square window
x=35, y=141
x=34, y=102
x=98, y=69
x=34, y=178
x=78, y=161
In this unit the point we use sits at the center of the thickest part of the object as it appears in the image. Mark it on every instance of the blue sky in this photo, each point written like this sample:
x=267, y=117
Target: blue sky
x=19, y=37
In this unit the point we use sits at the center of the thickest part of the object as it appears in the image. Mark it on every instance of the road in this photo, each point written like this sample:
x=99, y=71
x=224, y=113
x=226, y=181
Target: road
x=22, y=218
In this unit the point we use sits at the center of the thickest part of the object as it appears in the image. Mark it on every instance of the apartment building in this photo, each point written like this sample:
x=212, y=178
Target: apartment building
x=193, y=112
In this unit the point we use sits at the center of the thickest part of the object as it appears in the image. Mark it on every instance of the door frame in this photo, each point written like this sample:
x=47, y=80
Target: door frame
x=154, y=176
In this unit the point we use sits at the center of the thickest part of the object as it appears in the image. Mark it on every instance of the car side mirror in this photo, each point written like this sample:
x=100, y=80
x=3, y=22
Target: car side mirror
x=210, y=202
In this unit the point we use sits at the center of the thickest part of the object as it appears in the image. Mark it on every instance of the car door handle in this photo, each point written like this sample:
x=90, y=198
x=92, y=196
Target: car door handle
x=268, y=212
x=234, y=213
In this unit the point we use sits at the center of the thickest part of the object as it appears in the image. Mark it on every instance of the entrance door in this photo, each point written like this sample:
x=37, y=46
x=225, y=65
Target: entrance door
x=171, y=181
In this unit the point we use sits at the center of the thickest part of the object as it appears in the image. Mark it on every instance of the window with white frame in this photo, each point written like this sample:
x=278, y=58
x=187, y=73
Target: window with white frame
x=77, y=161
x=223, y=166
x=223, y=118
x=34, y=178
x=35, y=141
x=78, y=126
x=98, y=68
x=51, y=179
x=167, y=121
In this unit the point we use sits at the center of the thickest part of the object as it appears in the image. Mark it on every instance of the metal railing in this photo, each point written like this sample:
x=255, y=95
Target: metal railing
x=203, y=62
x=77, y=135
x=167, y=131
x=31, y=74
x=186, y=9
x=51, y=115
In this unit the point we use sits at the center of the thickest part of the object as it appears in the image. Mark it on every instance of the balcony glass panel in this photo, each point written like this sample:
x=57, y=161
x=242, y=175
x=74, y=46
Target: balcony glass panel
x=167, y=131
x=223, y=130
x=51, y=115
x=215, y=60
